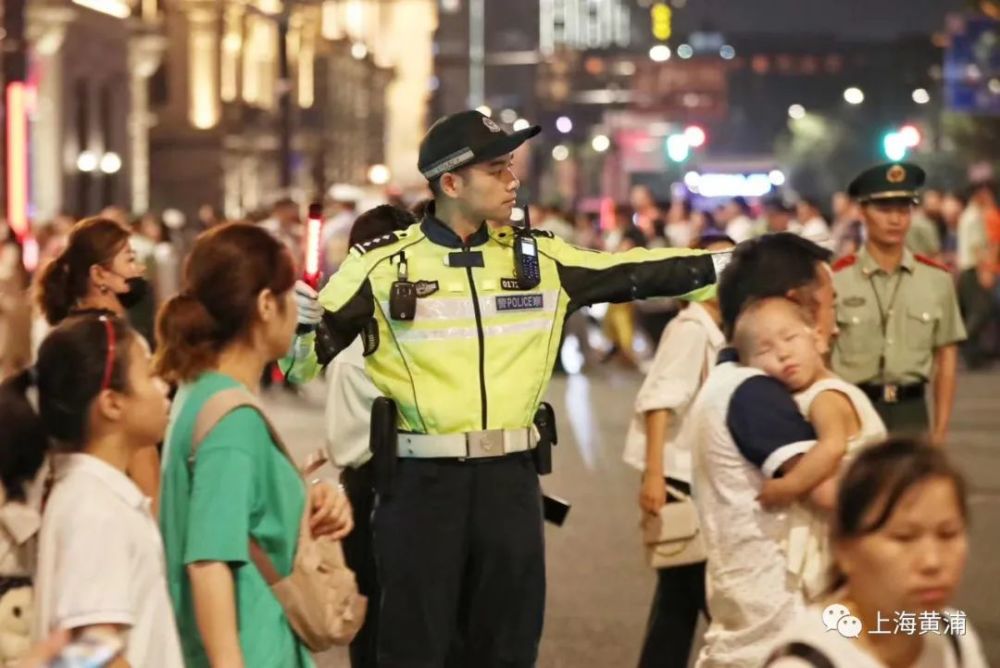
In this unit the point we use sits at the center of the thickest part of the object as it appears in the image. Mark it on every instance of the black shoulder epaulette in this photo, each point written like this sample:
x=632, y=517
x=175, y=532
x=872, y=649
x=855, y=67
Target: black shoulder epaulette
x=377, y=242
x=541, y=233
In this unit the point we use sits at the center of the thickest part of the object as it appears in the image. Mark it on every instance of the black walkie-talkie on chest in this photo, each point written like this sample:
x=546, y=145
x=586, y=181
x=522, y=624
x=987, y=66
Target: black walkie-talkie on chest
x=526, y=268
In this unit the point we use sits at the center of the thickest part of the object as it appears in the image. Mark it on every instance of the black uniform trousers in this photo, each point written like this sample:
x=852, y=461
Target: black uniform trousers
x=359, y=553
x=907, y=417
x=461, y=562
x=673, y=617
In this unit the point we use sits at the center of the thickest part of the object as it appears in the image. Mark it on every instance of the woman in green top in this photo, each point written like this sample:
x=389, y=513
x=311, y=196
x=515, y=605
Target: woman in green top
x=236, y=314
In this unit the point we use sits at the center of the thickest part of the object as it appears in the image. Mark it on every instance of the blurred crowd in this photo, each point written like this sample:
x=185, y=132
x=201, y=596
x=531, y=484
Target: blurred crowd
x=958, y=229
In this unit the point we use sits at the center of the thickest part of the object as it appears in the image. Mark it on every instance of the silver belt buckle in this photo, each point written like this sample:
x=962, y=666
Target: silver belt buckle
x=890, y=393
x=486, y=443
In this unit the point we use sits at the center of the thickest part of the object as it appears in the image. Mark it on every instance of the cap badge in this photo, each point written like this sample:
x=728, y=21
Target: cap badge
x=491, y=125
x=896, y=174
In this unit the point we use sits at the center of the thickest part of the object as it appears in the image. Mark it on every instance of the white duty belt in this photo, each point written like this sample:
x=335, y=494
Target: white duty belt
x=468, y=445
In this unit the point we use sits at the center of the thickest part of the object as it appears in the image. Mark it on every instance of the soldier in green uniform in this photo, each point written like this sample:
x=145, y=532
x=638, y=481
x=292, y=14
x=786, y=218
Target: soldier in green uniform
x=897, y=312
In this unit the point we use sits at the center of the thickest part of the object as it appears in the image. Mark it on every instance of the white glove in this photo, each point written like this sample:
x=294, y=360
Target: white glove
x=719, y=260
x=307, y=299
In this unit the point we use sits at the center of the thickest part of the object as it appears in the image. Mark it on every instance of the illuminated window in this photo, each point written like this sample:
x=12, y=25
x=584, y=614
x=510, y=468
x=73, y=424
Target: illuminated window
x=232, y=45
x=202, y=76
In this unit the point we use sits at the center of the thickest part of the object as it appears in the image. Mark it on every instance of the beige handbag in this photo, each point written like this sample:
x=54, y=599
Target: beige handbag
x=320, y=596
x=673, y=536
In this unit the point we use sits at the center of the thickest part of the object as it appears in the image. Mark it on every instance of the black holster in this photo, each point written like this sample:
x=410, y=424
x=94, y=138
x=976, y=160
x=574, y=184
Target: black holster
x=545, y=422
x=384, y=441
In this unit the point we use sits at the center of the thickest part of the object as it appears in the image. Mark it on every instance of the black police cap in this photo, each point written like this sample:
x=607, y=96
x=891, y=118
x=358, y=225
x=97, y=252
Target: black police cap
x=466, y=138
x=892, y=180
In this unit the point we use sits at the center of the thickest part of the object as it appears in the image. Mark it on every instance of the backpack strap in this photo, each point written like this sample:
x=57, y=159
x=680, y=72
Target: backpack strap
x=221, y=404
x=218, y=406
x=803, y=651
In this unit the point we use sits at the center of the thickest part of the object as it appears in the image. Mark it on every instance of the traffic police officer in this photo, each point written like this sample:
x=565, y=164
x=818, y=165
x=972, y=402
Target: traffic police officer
x=462, y=323
x=897, y=312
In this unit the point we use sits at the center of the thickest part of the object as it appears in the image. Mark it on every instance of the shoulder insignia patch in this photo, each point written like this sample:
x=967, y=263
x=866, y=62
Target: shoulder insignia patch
x=377, y=242
x=845, y=262
x=923, y=259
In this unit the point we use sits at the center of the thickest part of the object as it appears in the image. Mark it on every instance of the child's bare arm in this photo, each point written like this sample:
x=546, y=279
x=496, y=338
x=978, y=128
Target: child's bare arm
x=832, y=415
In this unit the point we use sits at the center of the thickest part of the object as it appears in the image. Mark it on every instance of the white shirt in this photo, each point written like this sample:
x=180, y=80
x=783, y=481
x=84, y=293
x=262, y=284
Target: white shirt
x=101, y=561
x=846, y=653
x=740, y=228
x=750, y=596
x=971, y=236
x=817, y=231
x=350, y=394
x=679, y=234
x=807, y=538
x=685, y=355
x=20, y=522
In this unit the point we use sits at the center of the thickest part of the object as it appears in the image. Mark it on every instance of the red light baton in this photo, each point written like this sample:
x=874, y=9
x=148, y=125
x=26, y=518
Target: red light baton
x=314, y=224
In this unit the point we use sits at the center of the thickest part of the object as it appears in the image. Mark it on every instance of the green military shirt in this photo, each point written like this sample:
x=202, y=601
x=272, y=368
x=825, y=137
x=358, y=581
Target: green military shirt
x=920, y=309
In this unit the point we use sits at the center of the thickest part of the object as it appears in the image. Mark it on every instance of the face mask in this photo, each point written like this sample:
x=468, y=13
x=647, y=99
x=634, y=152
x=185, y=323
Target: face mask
x=138, y=287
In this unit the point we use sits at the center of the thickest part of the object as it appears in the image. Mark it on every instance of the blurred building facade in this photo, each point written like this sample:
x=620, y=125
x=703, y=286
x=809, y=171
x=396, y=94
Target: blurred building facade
x=357, y=73
x=86, y=66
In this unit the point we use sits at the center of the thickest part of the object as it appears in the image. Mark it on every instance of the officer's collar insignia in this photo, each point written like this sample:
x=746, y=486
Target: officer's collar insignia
x=854, y=301
x=896, y=174
x=425, y=288
x=491, y=125
x=510, y=284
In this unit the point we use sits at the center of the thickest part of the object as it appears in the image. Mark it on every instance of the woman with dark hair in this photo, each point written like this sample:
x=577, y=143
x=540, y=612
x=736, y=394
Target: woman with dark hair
x=99, y=552
x=657, y=445
x=900, y=543
x=97, y=273
x=235, y=315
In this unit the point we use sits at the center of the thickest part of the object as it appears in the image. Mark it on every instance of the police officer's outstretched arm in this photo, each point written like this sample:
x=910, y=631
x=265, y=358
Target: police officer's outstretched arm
x=347, y=306
x=593, y=277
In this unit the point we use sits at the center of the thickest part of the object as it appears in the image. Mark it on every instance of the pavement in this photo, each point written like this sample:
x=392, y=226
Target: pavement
x=599, y=588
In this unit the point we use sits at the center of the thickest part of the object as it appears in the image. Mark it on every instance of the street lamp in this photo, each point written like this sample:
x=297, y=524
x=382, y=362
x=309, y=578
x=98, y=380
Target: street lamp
x=110, y=163
x=921, y=96
x=564, y=124
x=379, y=175
x=601, y=143
x=87, y=161
x=560, y=153
x=659, y=53
x=854, y=95
x=796, y=112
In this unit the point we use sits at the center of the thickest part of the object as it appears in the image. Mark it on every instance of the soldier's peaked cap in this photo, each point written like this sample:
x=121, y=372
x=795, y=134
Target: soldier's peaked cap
x=890, y=181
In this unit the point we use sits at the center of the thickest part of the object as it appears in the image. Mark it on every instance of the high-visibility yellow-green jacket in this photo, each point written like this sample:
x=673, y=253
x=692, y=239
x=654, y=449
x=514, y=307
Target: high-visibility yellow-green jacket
x=480, y=351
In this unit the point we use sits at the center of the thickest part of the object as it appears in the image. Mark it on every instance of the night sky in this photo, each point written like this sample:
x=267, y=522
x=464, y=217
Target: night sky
x=852, y=19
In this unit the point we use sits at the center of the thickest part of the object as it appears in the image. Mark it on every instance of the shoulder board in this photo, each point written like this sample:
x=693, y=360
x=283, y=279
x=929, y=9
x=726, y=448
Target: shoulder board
x=377, y=242
x=845, y=262
x=923, y=259
x=542, y=233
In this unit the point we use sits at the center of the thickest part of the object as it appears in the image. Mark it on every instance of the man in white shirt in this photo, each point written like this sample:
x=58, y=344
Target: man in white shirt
x=350, y=395
x=739, y=225
x=812, y=226
x=748, y=429
x=972, y=226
